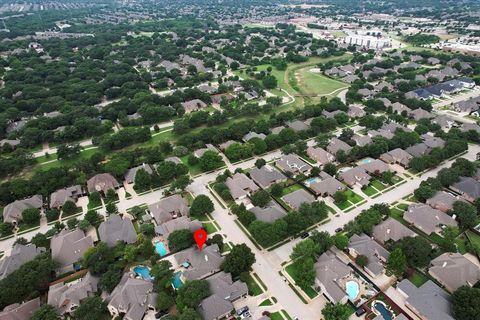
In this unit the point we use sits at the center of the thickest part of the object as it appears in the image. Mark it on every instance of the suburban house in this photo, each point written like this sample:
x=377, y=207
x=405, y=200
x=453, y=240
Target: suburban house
x=391, y=229
x=270, y=213
x=292, y=164
x=361, y=141
x=428, y=301
x=442, y=201
x=174, y=159
x=329, y=271
x=19, y=255
x=252, y=135
x=468, y=188
x=132, y=298
x=453, y=270
x=193, y=105
x=12, y=143
x=240, y=186
x=427, y=219
x=398, y=156
x=102, y=182
x=199, y=264
x=321, y=156
x=115, y=229
x=353, y=176
x=65, y=297
x=199, y=152
x=223, y=292
x=225, y=145
x=132, y=173
x=297, y=125
x=397, y=107
x=59, y=197
x=169, y=208
x=184, y=222
x=419, y=114
x=380, y=133
x=296, y=198
x=266, y=176
x=336, y=145
x=355, y=111
x=325, y=185
x=12, y=213
x=68, y=248
x=444, y=121
x=19, y=311
x=376, y=254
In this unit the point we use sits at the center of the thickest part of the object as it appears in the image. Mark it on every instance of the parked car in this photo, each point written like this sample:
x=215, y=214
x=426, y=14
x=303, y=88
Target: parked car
x=245, y=315
x=242, y=310
x=338, y=229
x=304, y=235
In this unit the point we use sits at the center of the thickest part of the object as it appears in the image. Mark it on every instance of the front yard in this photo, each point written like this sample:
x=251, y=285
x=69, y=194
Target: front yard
x=351, y=199
x=292, y=270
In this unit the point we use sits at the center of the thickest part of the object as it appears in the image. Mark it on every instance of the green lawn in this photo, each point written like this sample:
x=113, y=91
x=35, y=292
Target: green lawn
x=378, y=185
x=293, y=272
x=370, y=191
x=93, y=204
x=418, y=279
x=352, y=198
x=209, y=227
x=473, y=237
x=266, y=302
x=315, y=83
x=276, y=316
x=253, y=288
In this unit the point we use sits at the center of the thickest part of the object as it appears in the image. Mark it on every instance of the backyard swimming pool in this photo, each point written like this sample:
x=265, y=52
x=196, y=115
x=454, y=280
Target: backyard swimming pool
x=143, y=272
x=312, y=180
x=177, y=281
x=382, y=309
x=353, y=289
x=160, y=248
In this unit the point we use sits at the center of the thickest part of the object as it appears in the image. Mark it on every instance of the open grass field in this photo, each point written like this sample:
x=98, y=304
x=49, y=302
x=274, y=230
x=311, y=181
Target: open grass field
x=318, y=84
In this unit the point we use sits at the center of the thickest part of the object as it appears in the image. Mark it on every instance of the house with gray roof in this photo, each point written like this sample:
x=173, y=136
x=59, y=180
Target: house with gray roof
x=12, y=213
x=68, y=248
x=240, y=186
x=13, y=143
x=193, y=105
x=175, y=160
x=184, y=222
x=336, y=145
x=115, y=229
x=270, y=213
x=330, y=270
x=445, y=122
x=19, y=255
x=132, y=172
x=169, y=208
x=325, y=185
x=391, y=229
x=442, y=201
x=292, y=164
x=398, y=156
x=66, y=297
x=427, y=219
x=380, y=133
x=102, y=182
x=297, y=125
x=252, y=135
x=226, y=144
x=132, y=298
x=19, y=311
x=321, y=156
x=376, y=254
x=433, y=142
x=393, y=127
x=470, y=126
x=59, y=197
x=223, y=292
x=200, y=264
x=297, y=198
x=468, y=188
x=266, y=176
x=200, y=152
x=453, y=270
x=353, y=176
x=428, y=301
x=397, y=107
x=419, y=114
x=361, y=141
x=418, y=150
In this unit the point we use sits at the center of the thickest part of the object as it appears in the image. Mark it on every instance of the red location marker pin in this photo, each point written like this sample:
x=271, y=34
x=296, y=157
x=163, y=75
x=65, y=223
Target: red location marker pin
x=200, y=237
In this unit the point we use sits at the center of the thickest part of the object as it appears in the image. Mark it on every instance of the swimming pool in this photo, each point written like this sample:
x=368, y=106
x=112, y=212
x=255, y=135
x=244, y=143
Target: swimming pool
x=366, y=160
x=160, y=248
x=177, y=280
x=312, y=180
x=353, y=289
x=382, y=309
x=143, y=272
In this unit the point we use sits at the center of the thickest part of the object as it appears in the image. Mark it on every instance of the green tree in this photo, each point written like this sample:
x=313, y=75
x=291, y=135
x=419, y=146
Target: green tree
x=339, y=197
x=109, y=280
x=40, y=240
x=336, y=312
x=31, y=216
x=330, y=168
x=91, y=308
x=143, y=180
x=417, y=250
x=465, y=301
x=98, y=258
x=191, y=293
x=111, y=208
x=396, y=263
x=361, y=260
x=210, y=160
x=189, y=314
x=323, y=240
x=305, y=272
x=180, y=239
x=162, y=272
x=304, y=249
x=93, y=218
x=276, y=190
x=181, y=183
x=201, y=205
x=260, y=198
x=240, y=259
x=259, y=163
x=269, y=82
x=45, y=312
x=164, y=301
x=341, y=241
x=467, y=214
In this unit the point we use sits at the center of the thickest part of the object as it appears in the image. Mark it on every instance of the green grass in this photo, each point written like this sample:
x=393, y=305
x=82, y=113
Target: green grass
x=209, y=227
x=315, y=83
x=461, y=245
x=276, y=316
x=473, y=237
x=396, y=214
x=352, y=198
x=370, y=191
x=266, y=302
x=291, y=189
x=378, y=185
x=253, y=288
x=403, y=206
x=418, y=279
x=93, y=204
x=292, y=270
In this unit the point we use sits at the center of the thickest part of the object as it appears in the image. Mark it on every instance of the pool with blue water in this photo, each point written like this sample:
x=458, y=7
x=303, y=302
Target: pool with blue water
x=160, y=248
x=143, y=272
x=353, y=289
x=177, y=280
x=380, y=307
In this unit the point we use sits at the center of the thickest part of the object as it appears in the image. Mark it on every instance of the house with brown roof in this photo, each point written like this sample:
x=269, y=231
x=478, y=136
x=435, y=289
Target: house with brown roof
x=391, y=229
x=292, y=164
x=398, y=156
x=427, y=219
x=169, y=208
x=336, y=145
x=325, y=185
x=68, y=248
x=353, y=176
x=102, y=182
x=193, y=105
x=468, y=188
x=184, y=222
x=453, y=270
x=321, y=156
x=240, y=186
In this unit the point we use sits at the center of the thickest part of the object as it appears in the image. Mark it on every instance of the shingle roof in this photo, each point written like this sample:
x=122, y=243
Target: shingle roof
x=169, y=208
x=240, y=185
x=329, y=271
x=468, y=186
x=116, y=229
x=132, y=173
x=102, y=182
x=364, y=245
x=320, y=155
x=22, y=311
x=292, y=163
x=296, y=198
x=13, y=211
x=266, y=175
x=391, y=229
x=270, y=213
x=201, y=263
x=19, y=255
x=68, y=247
x=454, y=270
x=183, y=222
x=426, y=218
x=59, y=197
